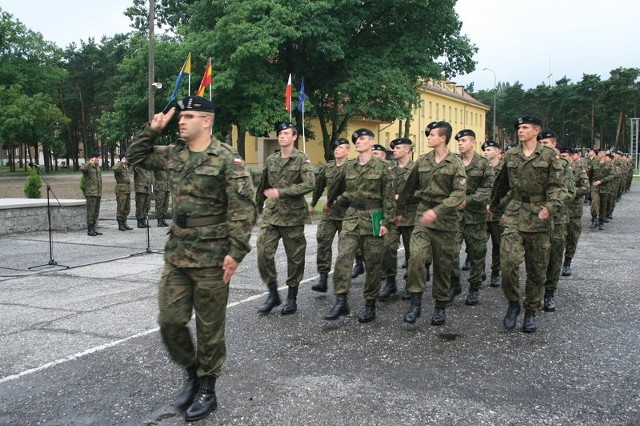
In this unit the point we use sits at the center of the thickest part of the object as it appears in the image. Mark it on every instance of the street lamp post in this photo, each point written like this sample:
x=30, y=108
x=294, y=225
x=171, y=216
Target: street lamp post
x=495, y=92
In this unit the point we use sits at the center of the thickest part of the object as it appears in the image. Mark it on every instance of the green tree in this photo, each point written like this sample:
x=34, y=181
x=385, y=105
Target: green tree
x=33, y=184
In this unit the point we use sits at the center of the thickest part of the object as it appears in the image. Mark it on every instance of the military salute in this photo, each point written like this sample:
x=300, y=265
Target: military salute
x=286, y=178
x=142, y=182
x=123, y=192
x=92, y=191
x=161, y=192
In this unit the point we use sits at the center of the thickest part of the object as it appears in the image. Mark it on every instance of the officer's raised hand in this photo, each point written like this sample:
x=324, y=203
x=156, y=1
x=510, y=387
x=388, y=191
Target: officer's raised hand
x=160, y=120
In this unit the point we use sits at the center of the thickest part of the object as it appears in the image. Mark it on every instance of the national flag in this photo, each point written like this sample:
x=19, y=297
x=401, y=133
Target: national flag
x=301, y=97
x=287, y=96
x=206, y=79
x=186, y=70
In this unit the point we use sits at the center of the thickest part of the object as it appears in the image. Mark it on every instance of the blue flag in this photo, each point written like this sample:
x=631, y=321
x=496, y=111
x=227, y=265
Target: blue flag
x=186, y=70
x=301, y=97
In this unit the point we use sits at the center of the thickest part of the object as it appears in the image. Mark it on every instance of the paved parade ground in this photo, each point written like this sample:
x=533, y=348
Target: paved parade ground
x=80, y=345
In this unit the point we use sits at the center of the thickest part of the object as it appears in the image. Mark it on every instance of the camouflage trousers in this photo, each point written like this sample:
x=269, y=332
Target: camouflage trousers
x=93, y=210
x=595, y=201
x=494, y=229
x=607, y=203
x=372, y=249
x=326, y=232
x=123, y=201
x=557, y=238
x=574, y=229
x=162, y=204
x=295, y=246
x=475, y=238
x=533, y=249
x=427, y=244
x=181, y=291
x=143, y=203
x=392, y=242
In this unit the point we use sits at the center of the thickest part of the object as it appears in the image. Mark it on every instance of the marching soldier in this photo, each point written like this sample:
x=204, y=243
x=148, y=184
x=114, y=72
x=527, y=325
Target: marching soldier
x=575, y=207
x=493, y=153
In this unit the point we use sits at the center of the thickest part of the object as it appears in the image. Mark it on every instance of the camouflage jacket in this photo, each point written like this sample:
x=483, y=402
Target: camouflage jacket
x=123, y=178
x=211, y=183
x=328, y=178
x=535, y=182
x=293, y=178
x=365, y=188
x=142, y=179
x=439, y=186
x=498, y=210
x=92, y=180
x=561, y=216
x=410, y=207
x=162, y=181
x=581, y=183
x=480, y=179
x=604, y=173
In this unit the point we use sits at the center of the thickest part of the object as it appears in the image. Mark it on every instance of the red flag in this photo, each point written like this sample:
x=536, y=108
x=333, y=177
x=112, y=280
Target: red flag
x=206, y=79
x=287, y=96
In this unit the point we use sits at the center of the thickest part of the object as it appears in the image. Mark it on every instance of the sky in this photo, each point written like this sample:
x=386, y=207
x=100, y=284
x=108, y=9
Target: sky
x=533, y=42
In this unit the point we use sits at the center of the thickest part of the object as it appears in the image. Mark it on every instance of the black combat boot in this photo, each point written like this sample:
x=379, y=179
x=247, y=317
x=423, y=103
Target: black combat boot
x=160, y=225
x=466, y=265
x=91, y=231
x=594, y=222
x=341, y=308
x=529, y=323
x=127, y=227
x=369, y=312
x=185, y=398
x=290, y=307
x=389, y=288
x=601, y=225
x=439, y=314
x=406, y=295
x=95, y=229
x=511, y=317
x=495, y=279
x=566, y=267
x=205, y=400
x=273, y=299
x=321, y=286
x=549, y=302
x=473, y=296
x=415, y=309
x=455, y=289
x=358, y=269
x=140, y=223
x=164, y=222
x=121, y=225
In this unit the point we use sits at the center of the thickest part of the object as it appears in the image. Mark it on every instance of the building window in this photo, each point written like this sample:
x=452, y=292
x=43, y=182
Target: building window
x=430, y=110
x=437, y=111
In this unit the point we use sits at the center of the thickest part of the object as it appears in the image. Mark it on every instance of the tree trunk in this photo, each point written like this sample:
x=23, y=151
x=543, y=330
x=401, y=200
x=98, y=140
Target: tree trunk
x=241, y=142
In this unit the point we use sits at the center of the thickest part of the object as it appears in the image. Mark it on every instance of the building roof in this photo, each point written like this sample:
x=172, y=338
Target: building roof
x=450, y=89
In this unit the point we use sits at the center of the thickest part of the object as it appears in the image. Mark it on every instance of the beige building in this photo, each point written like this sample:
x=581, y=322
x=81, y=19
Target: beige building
x=439, y=101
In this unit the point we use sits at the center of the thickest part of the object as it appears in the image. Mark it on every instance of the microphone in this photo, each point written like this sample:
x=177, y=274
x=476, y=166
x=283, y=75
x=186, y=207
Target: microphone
x=32, y=165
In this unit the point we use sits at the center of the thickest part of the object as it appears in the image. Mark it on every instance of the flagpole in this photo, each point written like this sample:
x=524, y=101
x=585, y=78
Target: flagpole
x=304, y=139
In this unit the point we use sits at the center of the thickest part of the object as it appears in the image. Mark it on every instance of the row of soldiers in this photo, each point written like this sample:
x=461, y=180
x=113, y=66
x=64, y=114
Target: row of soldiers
x=527, y=200
x=146, y=183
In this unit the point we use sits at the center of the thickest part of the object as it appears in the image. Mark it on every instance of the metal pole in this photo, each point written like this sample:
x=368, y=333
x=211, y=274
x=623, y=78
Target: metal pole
x=495, y=92
x=152, y=14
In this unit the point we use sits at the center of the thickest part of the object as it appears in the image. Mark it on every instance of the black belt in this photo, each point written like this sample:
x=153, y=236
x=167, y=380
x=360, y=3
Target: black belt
x=529, y=198
x=184, y=221
x=367, y=206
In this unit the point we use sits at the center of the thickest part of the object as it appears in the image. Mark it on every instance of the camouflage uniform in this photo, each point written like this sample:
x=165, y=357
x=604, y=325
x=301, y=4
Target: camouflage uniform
x=142, y=181
x=123, y=190
x=92, y=192
x=161, y=191
x=495, y=229
x=213, y=215
x=365, y=188
x=535, y=182
x=331, y=221
x=440, y=187
x=284, y=217
x=473, y=223
x=575, y=207
x=600, y=195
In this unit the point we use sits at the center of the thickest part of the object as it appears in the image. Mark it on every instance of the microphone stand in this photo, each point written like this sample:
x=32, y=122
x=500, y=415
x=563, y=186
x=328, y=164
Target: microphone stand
x=52, y=261
x=148, y=250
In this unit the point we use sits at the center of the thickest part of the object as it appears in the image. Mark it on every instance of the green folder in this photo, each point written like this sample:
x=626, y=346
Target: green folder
x=376, y=222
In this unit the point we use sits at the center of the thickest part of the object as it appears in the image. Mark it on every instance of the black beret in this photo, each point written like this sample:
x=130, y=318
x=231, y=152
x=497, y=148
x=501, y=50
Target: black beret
x=465, y=132
x=94, y=154
x=528, y=119
x=564, y=149
x=122, y=154
x=440, y=125
x=427, y=129
x=195, y=103
x=400, y=141
x=340, y=141
x=284, y=125
x=547, y=134
x=490, y=144
x=377, y=147
x=361, y=132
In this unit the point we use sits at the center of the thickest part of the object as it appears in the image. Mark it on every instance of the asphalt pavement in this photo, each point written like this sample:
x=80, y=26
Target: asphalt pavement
x=79, y=343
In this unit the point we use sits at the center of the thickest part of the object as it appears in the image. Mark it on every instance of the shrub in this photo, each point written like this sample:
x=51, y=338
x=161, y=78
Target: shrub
x=33, y=185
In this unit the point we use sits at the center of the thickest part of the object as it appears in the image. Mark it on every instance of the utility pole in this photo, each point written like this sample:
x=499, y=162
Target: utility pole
x=495, y=92
x=151, y=88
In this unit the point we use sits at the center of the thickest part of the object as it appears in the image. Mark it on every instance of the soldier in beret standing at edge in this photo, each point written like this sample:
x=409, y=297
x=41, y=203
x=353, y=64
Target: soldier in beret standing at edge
x=534, y=175
x=331, y=222
x=123, y=192
x=286, y=178
x=214, y=214
x=473, y=221
x=142, y=183
x=92, y=191
x=492, y=152
x=161, y=192
x=366, y=187
x=439, y=179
